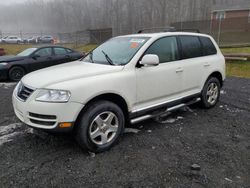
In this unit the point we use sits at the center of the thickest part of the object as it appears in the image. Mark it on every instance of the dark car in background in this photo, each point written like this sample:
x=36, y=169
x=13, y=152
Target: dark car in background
x=31, y=59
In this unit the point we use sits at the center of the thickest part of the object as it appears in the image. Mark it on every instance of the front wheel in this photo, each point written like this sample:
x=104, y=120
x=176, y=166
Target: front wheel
x=211, y=93
x=100, y=126
x=16, y=73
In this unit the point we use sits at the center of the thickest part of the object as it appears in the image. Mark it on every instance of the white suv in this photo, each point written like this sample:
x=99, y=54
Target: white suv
x=125, y=80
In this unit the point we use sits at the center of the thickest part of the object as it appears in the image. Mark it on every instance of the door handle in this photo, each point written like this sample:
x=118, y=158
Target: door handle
x=206, y=64
x=179, y=70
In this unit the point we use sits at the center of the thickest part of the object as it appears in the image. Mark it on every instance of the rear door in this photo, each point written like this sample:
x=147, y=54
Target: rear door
x=61, y=55
x=192, y=64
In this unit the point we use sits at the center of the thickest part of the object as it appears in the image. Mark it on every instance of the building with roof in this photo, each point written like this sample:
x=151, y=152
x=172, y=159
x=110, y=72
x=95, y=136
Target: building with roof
x=223, y=11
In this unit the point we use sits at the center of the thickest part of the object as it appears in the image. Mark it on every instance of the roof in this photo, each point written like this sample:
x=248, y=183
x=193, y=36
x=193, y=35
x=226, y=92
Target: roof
x=232, y=7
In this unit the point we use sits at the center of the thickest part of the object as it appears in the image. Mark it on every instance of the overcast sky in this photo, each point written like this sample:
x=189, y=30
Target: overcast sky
x=9, y=2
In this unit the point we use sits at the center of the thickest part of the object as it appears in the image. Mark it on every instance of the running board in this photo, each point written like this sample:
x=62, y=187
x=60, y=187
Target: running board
x=171, y=109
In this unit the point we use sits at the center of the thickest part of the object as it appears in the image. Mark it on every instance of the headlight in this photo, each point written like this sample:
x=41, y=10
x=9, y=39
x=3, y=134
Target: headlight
x=3, y=64
x=18, y=86
x=56, y=96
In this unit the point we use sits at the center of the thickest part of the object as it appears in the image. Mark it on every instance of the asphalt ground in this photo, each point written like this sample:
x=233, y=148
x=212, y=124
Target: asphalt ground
x=152, y=154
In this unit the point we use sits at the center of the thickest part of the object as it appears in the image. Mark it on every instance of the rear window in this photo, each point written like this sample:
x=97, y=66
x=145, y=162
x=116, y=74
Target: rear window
x=208, y=46
x=191, y=47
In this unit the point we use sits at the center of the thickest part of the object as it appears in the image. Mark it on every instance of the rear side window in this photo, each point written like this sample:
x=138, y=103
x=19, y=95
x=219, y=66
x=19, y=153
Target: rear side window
x=60, y=51
x=44, y=52
x=166, y=49
x=191, y=47
x=68, y=50
x=208, y=46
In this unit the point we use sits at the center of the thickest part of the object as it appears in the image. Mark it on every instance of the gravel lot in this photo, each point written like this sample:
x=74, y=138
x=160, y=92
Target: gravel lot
x=159, y=155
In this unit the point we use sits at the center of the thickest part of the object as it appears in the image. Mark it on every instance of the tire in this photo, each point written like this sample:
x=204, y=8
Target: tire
x=16, y=73
x=103, y=120
x=211, y=93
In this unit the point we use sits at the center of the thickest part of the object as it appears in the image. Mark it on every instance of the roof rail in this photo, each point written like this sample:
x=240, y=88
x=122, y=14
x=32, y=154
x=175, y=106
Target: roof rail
x=169, y=29
x=189, y=30
x=163, y=29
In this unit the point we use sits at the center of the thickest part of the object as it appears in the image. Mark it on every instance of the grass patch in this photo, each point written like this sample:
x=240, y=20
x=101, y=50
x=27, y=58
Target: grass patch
x=238, y=69
x=13, y=49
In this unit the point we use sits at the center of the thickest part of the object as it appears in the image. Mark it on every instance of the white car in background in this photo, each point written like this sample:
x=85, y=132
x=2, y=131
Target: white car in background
x=125, y=80
x=12, y=40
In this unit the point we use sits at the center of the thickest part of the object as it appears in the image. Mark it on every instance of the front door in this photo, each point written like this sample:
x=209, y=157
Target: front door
x=160, y=84
x=41, y=58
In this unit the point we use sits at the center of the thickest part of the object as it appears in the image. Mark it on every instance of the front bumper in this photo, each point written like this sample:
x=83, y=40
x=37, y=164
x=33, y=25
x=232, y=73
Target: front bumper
x=43, y=115
x=3, y=74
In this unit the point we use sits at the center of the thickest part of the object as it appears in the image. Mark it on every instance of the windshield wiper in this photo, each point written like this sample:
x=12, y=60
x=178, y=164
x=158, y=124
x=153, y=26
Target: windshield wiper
x=108, y=58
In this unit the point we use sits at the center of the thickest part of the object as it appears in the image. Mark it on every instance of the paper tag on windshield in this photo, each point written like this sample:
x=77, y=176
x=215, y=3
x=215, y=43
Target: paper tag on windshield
x=137, y=40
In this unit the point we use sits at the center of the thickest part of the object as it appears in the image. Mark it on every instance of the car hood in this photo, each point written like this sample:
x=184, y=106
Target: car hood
x=10, y=58
x=69, y=71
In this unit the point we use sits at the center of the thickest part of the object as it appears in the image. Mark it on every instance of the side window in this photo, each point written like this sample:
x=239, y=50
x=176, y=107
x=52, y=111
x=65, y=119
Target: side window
x=166, y=48
x=44, y=52
x=208, y=46
x=60, y=51
x=191, y=47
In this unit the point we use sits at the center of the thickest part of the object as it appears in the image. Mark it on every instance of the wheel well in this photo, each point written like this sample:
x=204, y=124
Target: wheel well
x=218, y=76
x=17, y=66
x=117, y=99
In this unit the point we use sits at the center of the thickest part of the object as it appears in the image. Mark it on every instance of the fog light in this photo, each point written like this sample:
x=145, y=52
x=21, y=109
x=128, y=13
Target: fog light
x=65, y=125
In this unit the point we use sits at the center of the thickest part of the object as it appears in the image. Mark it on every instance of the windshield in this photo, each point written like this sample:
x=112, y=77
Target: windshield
x=27, y=52
x=116, y=51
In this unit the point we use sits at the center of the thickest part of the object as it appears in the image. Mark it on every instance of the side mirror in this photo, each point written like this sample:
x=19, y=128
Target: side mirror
x=150, y=60
x=35, y=56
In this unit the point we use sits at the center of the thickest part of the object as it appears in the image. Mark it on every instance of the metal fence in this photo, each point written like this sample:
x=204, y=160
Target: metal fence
x=90, y=36
x=226, y=31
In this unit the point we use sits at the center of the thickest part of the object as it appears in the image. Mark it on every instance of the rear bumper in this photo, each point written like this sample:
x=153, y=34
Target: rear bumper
x=46, y=116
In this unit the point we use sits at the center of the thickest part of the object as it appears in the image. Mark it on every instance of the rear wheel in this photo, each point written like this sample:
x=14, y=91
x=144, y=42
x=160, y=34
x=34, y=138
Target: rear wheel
x=100, y=126
x=16, y=73
x=210, y=93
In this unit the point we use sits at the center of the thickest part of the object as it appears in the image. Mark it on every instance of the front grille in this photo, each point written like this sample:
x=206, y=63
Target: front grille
x=24, y=92
x=41, y=119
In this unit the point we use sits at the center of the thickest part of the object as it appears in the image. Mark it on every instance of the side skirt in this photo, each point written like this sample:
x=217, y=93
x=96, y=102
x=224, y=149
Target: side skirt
x=162, y=109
